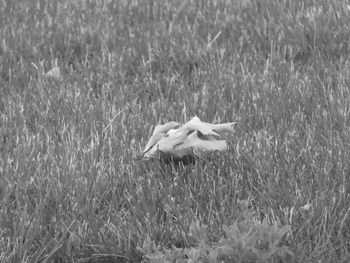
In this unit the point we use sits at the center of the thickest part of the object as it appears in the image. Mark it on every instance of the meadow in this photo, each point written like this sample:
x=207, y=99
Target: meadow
x=71, y=186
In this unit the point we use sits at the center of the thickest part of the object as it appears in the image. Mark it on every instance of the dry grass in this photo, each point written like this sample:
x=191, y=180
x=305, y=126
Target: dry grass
x=71, y=190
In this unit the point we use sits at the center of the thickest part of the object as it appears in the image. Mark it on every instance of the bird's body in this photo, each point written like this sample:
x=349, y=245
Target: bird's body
x=173, y=141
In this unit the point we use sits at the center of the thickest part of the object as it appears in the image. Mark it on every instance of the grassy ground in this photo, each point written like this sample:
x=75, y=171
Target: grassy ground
x=71, y=189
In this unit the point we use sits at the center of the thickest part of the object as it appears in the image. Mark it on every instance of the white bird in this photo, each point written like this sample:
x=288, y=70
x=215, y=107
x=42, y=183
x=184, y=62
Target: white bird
x=173, y=141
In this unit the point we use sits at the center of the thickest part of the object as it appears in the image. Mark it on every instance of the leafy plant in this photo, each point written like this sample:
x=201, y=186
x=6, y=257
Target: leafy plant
x=243, y=243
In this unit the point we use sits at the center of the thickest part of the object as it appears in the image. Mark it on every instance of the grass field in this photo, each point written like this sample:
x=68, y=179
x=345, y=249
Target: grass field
x=71, y=189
